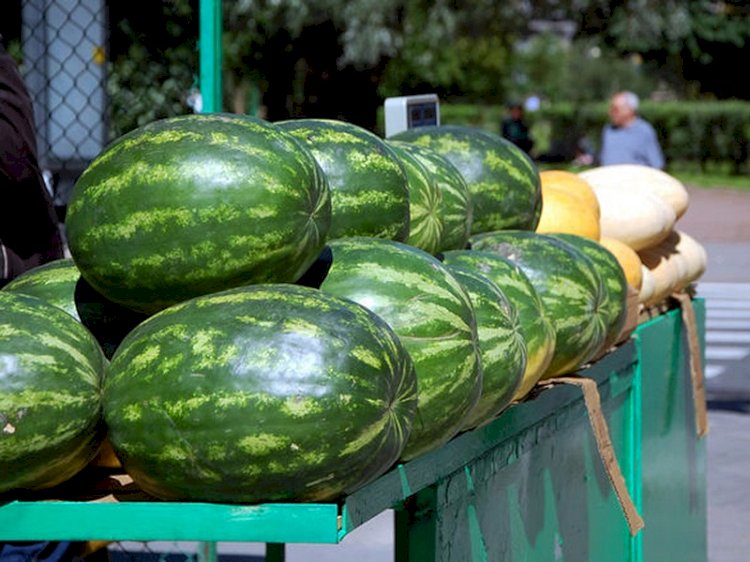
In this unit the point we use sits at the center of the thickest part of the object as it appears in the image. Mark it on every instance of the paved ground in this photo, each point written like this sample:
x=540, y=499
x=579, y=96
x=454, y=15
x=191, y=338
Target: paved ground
x=720, y=219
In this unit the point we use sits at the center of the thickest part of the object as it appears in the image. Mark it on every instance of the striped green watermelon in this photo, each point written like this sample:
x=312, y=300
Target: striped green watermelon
x=502, y=347
x=195, y=204
x=425, y=200
x=54, y=282
x=259, y=393
x=536, y=327
x=50, y=383
x=455, y=204
x=369, y=188
x=503, y=181
x=434, y=319
x=569, y=286
x=615, y=285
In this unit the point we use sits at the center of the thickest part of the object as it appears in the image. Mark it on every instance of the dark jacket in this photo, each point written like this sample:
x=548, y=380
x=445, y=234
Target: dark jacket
x=29, y=232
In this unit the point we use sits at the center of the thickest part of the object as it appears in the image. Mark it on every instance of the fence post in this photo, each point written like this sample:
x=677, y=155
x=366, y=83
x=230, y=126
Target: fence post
x=210, y=55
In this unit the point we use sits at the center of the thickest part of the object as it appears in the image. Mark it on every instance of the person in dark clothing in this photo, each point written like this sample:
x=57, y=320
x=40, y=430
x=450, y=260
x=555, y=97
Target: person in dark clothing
x=29, y=232
x=514, y=128
x=29, y=236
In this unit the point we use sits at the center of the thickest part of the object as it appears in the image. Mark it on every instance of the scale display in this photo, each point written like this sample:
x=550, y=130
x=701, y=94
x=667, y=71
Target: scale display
x=407, y=112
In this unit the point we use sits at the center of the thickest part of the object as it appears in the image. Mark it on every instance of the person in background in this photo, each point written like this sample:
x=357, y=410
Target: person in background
x=29, y=230
x=514, y=128
x=29, y=236
x=629, y=139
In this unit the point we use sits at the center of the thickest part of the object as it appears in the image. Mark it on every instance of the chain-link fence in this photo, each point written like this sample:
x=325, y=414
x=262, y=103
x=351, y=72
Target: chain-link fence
x=64, y=65
x=85, y=95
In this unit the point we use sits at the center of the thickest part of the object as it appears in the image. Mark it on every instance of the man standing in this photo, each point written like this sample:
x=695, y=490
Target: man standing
x=29, y=233
x=628, y=139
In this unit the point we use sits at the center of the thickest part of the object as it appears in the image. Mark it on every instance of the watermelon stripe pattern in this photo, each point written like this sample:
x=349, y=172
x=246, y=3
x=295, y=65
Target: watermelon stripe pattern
x=195, y=204
x=569, y=286
x=503, y=181
x=260, y=393
x=615, y=286
x=535, y=325
x=425, y=202
x=369, y=188
x=432, y=316
x=501, y=345
x=50, y=382
x=53, y=282
x=456, y=208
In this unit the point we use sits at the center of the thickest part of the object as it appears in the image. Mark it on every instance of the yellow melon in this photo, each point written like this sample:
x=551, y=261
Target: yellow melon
x=628, y=258
x=572, y=183
x=564, y=212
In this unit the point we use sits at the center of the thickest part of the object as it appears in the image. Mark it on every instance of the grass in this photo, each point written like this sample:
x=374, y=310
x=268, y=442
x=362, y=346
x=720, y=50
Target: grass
x=713, y=177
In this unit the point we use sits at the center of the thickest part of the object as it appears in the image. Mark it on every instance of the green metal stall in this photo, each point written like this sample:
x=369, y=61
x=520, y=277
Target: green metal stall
x=530, y=486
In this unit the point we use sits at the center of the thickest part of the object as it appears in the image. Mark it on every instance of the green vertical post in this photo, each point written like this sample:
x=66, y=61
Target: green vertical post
x=210, y=55
x=207, y=552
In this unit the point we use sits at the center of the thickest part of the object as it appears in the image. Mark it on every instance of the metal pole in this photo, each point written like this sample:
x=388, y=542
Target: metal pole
x=210, y=55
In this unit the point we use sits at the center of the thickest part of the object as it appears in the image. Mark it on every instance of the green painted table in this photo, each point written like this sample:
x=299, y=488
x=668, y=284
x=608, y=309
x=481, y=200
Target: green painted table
x=530, y=486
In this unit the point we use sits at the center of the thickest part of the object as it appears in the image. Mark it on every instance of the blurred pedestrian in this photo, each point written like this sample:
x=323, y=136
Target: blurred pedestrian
x=629, y=139
x=514, y=128
x=29, y=231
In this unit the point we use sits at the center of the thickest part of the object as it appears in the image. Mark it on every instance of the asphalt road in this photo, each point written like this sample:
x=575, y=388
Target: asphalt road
x=719, y=219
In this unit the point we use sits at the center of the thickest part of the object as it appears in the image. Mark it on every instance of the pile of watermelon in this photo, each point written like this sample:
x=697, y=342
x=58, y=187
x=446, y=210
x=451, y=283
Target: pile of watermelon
x=264, y=312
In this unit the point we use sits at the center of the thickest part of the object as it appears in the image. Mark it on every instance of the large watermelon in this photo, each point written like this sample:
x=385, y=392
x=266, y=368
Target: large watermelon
x=54, y=282
x=369, y=188
x=503, y=180
x=195, y=204
x=536, y=327
x=456, y=210
x=50, y=406
x=569, y=286
x=426, y=223
x=432, y=315
x=259, y=393
x=501, y=345
x=615, y=285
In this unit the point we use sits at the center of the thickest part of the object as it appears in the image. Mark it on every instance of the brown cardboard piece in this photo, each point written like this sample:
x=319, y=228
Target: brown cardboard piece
x=697, y=379
x=604, y=445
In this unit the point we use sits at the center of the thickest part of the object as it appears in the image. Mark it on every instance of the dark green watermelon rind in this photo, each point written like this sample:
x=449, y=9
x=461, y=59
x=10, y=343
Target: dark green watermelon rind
x=53, y=282
x=369, y=188
x=535, y=326
x=425, y=202
x=614, y=283
x=456, y=206
x=432, y=316
x=569, y=286
x=504, y=182
x=261, y=393
x=50, y=406
x=196, y=204
x=501, y=345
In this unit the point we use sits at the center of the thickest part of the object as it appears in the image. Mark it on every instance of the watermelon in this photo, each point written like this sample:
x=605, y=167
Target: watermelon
x=615, y=285
x=503, y=180
x=195, y=204
x=269, y=392
x=50, y=383
x=501, y=345
x=569, y=286
x=455, y=204
x=53, y=282
x=434, y=319
x=60, y=283
x=369, y=188
x=536, y=328
x=425, y=199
